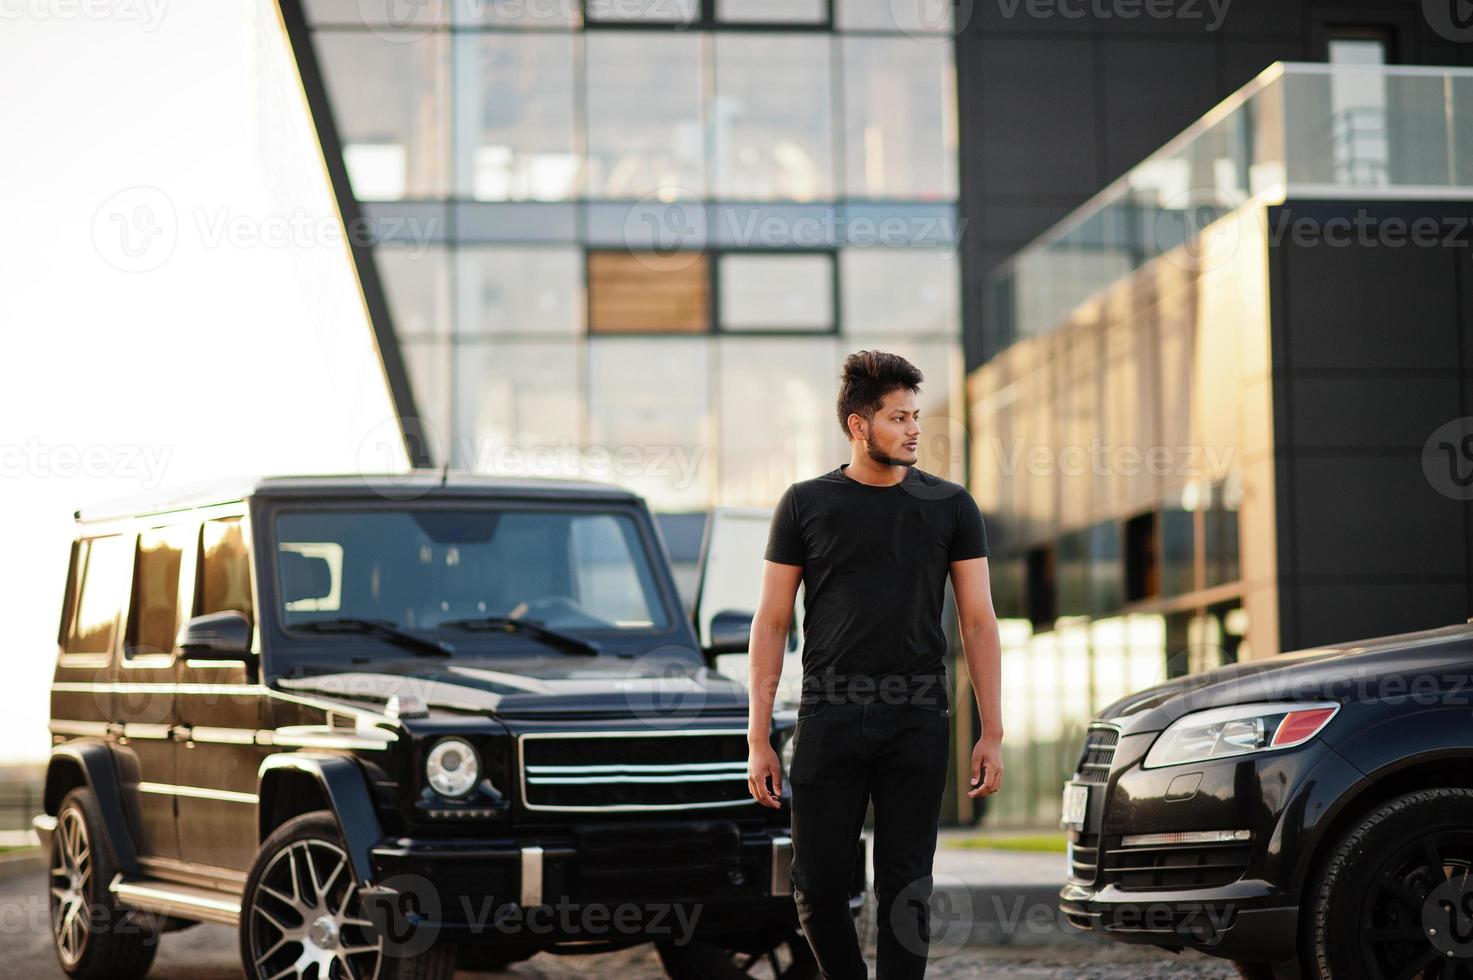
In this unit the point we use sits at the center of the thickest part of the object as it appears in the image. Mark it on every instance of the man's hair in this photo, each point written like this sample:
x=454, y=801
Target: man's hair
x=870, y=375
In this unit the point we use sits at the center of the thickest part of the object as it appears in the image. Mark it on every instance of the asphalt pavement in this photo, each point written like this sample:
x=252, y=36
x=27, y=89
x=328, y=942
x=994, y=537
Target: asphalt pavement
x=1007, y=929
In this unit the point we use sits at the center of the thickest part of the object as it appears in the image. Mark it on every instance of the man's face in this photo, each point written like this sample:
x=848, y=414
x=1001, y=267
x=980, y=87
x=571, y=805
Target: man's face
x=894, y=434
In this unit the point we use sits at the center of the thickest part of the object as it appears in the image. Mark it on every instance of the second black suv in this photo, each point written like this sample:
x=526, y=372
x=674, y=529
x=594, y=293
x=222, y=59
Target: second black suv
x=388, y=726
x=1308, y=815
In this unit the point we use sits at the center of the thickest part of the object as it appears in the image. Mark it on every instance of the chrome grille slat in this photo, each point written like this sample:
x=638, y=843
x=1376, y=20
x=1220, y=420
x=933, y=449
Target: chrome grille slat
x=1098, y=755
x=634, y=770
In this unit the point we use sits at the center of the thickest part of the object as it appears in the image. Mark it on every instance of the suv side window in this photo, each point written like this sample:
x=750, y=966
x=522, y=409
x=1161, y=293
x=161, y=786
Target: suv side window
x=103, y=569
x=153, y=618
x=224, y=569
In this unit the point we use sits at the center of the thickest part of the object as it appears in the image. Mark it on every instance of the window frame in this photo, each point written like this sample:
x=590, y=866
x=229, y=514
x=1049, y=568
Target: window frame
x=714, y=327
x=76, y=581
x=835, y=299
x=183, y=593
x=706, y=19
x=665, y=595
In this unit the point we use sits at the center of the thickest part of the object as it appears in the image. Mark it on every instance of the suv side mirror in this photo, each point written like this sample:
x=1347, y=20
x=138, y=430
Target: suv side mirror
x=216, y=636
x=731, y=632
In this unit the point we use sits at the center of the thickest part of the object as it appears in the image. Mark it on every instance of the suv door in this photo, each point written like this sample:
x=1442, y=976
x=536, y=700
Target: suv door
x=730, y=579
x=219, y=712
x=143, y=698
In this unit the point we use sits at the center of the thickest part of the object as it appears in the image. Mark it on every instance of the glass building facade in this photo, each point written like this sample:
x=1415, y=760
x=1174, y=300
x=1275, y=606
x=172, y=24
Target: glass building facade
x=634, y=239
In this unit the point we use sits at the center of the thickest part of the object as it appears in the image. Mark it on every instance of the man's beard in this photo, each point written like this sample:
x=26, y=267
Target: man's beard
x=883, y=458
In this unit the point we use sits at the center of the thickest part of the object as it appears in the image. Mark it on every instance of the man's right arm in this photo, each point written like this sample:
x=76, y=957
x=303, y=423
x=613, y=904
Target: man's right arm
x=765, y=652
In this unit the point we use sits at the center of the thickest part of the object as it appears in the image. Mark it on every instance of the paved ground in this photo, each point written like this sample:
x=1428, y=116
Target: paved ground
x=209, y=952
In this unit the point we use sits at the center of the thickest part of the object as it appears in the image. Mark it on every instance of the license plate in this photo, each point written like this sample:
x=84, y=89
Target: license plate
x=1076, y=805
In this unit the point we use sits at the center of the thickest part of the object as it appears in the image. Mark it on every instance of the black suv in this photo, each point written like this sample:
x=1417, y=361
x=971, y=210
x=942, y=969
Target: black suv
x=1306, y=815
x=388, y=726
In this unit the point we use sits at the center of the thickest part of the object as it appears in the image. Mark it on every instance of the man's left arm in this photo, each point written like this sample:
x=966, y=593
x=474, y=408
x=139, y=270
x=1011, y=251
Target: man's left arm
x=982, y=650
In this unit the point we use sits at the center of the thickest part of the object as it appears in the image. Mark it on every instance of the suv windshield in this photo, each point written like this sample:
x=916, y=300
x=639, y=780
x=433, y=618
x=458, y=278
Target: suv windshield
x=427, y=568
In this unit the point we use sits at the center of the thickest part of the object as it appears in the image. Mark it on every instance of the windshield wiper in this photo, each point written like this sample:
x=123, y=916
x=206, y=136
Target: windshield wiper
x=381, y=628
x=545, y=633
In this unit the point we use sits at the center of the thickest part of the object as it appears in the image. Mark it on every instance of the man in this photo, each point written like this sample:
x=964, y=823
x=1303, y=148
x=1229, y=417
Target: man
x=872, y=541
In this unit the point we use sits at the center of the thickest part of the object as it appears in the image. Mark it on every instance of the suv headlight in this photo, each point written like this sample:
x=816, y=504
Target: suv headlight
x=1238, y=730
x=452, y=767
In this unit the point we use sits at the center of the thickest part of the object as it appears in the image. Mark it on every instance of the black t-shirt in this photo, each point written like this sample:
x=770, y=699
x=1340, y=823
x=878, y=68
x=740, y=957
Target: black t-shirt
x=875, y=562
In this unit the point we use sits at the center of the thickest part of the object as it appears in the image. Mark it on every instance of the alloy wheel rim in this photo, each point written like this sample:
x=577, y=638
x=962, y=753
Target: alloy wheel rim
x=71, y=877
x=1416, y=919
x=306, y=919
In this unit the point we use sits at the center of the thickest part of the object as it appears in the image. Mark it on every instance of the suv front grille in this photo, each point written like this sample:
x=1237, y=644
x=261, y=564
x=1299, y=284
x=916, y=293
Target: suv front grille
x=1084, y=858
x=1179, y=866
x=1099, y=753
x=621, y=770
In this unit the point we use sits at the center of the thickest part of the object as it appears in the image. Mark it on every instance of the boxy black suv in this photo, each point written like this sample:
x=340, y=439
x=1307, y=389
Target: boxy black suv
x=1307, y=815
x=388, y=726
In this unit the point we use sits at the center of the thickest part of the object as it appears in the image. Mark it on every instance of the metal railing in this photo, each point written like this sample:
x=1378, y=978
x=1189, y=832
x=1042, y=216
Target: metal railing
x=1301, y=131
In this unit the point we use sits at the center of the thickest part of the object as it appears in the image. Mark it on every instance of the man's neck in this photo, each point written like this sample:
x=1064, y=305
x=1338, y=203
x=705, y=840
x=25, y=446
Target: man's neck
x=866, y=471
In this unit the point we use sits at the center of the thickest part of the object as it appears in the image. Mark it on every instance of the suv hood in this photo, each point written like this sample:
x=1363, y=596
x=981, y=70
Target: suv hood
x=1342, y=672
x=537, y=688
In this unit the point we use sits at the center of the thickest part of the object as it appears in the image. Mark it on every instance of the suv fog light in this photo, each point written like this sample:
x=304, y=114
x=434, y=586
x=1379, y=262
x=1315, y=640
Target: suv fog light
x=452, y=767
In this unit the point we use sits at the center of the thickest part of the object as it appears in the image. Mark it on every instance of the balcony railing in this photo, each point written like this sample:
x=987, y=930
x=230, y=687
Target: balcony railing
x=1297, y=131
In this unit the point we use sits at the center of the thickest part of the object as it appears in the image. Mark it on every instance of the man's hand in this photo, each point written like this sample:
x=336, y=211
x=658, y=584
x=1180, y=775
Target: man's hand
x=761, y=764
x=986, y=759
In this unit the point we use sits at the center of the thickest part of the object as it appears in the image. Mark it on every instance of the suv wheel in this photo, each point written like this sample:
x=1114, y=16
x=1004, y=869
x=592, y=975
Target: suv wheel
x=1394, y=895
x=789, y=958
x=302, y=914
x=94, y=938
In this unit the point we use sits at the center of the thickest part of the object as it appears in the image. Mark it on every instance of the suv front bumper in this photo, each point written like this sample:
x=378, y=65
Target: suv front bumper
x=1243, y=921
x=608, y=882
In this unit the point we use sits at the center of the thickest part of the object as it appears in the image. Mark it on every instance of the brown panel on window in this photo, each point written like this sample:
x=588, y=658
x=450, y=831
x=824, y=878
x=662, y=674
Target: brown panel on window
x=225, y=569
x=154, y=616
x=648, y=292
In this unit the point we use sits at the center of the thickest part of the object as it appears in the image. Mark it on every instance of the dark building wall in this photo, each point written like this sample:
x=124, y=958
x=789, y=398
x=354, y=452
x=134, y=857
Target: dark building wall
x=1052, y=108
x=1372, y=353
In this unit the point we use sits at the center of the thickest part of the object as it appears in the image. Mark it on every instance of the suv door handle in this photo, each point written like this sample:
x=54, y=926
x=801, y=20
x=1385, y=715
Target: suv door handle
x=115, y=729
x=182, y=733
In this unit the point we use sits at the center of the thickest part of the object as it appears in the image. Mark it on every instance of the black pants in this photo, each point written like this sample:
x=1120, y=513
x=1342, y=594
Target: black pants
x=845, y=754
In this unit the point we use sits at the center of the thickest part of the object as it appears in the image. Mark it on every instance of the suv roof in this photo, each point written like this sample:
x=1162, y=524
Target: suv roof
x=416, y=485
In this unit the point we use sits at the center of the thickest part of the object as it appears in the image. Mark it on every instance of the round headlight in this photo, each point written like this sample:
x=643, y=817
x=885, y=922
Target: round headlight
x=452, y=767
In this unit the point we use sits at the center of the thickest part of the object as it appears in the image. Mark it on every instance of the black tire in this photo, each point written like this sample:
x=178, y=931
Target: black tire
x=94, y=939
x=787, y=954
x=301, y=893
x=1385, y=887
x=491, y=959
